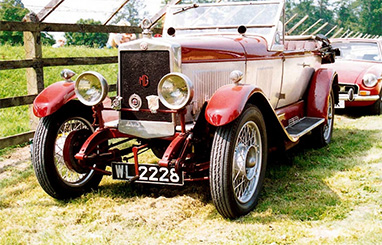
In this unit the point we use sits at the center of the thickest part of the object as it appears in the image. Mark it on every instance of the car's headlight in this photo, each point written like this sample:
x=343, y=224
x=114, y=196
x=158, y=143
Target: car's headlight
x=91, y=88
x=370, y=80
x=175, y=90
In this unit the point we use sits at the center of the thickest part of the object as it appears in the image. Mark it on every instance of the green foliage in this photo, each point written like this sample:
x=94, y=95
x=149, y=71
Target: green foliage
x=96, y=40
x=364, y=16
x=11, y=10
x=315, y=10
x=370, y=16
x=15, y=120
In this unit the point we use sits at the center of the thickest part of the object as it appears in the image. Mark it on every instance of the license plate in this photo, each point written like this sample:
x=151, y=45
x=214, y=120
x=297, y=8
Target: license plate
x=148, y=173
x=340, y=105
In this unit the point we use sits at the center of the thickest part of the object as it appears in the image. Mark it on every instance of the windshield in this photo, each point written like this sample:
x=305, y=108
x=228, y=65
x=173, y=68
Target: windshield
x=358, y=51
x=260, y=17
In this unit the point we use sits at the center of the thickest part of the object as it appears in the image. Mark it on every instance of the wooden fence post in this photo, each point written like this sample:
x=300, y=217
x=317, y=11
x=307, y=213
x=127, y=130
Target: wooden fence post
x=35, y=75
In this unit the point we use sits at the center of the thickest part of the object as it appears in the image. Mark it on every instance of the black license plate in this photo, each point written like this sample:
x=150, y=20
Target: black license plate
x=148, y=173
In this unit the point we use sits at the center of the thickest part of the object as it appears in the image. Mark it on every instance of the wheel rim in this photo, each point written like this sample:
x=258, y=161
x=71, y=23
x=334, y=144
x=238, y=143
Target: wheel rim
x=69, y=176
x=247, y=162
x=328, y=125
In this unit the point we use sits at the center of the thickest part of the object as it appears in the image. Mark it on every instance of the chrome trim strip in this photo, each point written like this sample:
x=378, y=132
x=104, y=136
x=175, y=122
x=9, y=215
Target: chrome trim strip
x=345, y=97
x=146, y=129
x=111, y=124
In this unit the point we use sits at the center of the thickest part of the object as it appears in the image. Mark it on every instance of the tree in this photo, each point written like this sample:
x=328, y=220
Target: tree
x=315, y=9
x=370, y=16
x=97, y=40
x=11, y=10
x=347, y=15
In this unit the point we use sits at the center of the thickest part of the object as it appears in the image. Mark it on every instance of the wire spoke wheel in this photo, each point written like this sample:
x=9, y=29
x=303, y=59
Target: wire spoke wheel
x=238, y=162
x=68, y=175
x=246, y=162
x=58, y=138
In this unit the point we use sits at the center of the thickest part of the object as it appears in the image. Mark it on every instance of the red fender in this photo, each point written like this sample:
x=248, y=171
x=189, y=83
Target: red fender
x=320, y=88
x=228, y=102
x=53, y=98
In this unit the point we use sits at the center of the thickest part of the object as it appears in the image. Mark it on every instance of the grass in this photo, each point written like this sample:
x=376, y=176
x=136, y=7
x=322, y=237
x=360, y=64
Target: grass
x=331, y=195
x=15, y=120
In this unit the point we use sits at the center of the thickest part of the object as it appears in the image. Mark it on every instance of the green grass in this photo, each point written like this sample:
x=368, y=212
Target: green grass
x=13, y=82
x=331, y=195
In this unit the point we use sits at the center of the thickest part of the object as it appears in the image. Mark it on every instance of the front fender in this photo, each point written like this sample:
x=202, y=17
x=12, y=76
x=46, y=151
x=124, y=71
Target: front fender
x=322, y=83
x=53, y=98
x=228, y=102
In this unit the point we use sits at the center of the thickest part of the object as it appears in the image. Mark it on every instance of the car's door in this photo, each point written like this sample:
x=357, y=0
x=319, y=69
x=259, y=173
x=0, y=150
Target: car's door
x=299, y=66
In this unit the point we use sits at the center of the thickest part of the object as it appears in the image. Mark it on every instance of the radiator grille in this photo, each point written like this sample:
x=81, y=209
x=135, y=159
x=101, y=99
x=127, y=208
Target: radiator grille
x=134, y=65
x=344, y=88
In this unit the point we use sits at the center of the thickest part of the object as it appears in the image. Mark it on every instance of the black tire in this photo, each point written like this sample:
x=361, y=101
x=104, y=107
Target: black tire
x=323, y=134
x=376, y=108
x=231, y=149
x=54, y=176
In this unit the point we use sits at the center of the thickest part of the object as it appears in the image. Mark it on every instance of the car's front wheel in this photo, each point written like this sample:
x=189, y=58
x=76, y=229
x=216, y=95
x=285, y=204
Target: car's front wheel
x=63, y=178
x=238, y=162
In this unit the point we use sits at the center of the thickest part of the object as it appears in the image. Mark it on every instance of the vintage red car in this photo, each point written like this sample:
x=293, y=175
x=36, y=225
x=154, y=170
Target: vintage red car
x=359, y=68
x=211, y=98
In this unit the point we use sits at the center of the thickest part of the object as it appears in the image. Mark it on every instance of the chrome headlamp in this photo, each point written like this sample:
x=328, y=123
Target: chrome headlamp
x=91, y=88
x=175, y=90
x=369, y=80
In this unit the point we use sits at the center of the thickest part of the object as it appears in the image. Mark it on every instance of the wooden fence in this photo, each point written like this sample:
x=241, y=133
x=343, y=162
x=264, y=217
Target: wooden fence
x=35, y=63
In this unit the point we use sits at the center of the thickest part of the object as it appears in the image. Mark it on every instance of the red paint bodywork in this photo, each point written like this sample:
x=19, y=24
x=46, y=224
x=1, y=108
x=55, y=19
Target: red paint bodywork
x=287, y=112
x=317, y=104
x=227, y=49
x=228, y=102
x=53, y=98
x=211, y=49
x=352, y=71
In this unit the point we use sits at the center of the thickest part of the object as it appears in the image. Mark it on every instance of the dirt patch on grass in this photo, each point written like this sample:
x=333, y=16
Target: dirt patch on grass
x=19, y=159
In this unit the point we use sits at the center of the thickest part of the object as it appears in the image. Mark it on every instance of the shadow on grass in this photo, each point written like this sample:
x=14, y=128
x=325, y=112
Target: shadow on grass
x=294, y=187
x=199, y=190
x=354, y=112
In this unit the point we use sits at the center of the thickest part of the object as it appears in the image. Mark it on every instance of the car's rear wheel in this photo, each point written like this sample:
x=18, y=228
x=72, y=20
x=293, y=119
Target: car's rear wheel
x=323, y=134
x=376, y=108
x=63, y=178
x=238, y=162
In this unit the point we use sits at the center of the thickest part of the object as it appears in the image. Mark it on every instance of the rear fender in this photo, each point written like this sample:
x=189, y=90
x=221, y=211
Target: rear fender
x=53, y=98
x=322, y=83
x=228, y=102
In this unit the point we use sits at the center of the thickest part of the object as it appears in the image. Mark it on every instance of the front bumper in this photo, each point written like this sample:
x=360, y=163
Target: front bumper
x=345, y=97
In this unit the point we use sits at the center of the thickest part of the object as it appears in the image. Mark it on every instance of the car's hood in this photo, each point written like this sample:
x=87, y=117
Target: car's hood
x=349, y=72
x=210, y=48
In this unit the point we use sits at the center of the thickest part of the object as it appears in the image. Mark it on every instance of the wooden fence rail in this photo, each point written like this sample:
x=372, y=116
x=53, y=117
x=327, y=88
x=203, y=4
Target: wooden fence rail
x=35, y=63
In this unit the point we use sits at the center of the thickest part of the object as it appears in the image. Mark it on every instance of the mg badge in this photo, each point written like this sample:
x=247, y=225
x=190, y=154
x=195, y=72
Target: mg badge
x=144, y=46
x=144, y=81
x=135, y=102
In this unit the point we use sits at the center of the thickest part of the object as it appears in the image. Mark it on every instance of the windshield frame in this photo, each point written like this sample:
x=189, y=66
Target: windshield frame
x=208, y=30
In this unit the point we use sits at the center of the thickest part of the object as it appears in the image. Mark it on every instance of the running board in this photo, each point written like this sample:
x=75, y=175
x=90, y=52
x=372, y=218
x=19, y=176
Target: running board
x=304, y=126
